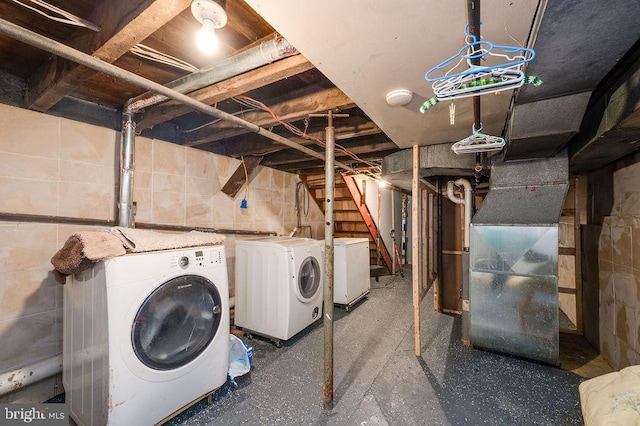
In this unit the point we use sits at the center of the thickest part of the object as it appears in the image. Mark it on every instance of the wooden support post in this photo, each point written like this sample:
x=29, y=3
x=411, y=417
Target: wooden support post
x=330, y=181
x=415, y=248
x=577, y=238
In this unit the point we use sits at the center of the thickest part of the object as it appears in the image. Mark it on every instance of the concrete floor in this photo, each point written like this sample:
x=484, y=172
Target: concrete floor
x=379, y=381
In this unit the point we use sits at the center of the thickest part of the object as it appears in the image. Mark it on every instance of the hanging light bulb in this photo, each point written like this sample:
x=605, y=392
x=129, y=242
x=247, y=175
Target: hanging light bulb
x=206, y=38
x=212, y=16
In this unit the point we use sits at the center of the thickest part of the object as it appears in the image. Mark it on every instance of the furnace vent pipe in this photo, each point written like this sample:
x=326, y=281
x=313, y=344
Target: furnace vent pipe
x=255, y=57
x=127, y=168
x=466, y=201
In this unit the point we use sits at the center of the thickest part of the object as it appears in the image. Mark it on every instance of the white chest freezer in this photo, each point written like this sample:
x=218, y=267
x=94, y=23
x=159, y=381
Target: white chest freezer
x=351, y=274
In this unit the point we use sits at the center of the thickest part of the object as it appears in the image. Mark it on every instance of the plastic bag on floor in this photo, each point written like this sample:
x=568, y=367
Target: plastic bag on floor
x=240, y=358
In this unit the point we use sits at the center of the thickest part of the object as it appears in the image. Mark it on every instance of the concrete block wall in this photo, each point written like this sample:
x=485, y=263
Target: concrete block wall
x=51, y=166
x=619, y=269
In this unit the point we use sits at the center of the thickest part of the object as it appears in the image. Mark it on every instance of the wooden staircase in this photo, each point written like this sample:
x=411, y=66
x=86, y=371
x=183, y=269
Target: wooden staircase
x=352, y=218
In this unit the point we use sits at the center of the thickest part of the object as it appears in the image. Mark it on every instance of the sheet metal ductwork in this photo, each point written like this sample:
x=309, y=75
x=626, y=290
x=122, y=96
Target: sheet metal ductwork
x=514, y=259
x=435, y=160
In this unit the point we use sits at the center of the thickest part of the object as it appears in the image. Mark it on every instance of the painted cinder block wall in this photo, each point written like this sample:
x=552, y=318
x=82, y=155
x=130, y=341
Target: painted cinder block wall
x=57, y=167
x=614, y=207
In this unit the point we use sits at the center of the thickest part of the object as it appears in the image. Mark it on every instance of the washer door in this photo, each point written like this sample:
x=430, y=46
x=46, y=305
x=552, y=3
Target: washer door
x=308, y=279
x=176, y=322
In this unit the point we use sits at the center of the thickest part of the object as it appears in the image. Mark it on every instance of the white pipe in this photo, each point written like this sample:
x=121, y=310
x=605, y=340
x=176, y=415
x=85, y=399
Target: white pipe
x=466, y=201
x=25, y=376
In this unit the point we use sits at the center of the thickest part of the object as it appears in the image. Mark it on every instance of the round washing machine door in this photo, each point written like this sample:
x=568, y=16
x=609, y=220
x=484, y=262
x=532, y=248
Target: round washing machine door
x=308, y=279
x=176, y=322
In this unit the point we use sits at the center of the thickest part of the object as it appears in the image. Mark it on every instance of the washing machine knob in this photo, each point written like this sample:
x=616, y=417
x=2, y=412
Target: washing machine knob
x=183, y=261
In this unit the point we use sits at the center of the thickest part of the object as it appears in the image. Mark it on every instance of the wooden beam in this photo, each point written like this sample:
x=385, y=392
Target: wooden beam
x=229, y=88
x=290, y=110
x=243, y=175
x=255, y=144
x=415, y=250
x=123, y=24
x=304, y=163
x=374, y=150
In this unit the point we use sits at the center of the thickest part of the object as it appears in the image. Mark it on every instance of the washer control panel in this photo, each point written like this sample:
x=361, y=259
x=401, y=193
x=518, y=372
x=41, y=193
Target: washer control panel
x=199, y=258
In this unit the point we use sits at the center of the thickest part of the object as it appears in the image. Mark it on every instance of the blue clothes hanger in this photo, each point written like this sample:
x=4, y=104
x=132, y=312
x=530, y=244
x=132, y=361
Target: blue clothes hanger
x=478, y=50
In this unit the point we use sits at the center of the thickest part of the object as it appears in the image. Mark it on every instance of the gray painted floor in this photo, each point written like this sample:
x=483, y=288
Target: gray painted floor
x=379, y=381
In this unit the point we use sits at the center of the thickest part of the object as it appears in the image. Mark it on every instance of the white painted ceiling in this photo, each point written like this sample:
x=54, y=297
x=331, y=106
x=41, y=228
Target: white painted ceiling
x=368, y=48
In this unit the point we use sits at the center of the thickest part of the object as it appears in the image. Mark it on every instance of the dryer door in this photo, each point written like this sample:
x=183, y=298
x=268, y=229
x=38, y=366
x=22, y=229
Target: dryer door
x=176, y=322
x=308, y=279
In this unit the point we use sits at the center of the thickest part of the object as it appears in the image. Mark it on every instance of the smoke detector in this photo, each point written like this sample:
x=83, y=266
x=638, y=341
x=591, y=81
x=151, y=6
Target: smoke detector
x=399, y=97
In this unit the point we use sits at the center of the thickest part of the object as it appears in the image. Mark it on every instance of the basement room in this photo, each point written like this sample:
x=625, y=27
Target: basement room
x=250, y=212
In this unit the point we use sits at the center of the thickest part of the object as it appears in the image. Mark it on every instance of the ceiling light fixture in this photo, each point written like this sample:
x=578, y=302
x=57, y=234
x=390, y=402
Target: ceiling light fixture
x=212, y=16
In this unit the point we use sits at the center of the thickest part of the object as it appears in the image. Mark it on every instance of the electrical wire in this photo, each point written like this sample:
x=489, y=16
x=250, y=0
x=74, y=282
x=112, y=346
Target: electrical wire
x=253, y=103
x=154, y=55
x=246, y=178
x=209, y=123
x=69, y=18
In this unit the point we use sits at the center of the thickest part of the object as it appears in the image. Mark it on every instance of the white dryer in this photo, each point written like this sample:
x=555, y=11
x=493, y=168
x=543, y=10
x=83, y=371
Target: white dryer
x=279, y=285
x=145, y=335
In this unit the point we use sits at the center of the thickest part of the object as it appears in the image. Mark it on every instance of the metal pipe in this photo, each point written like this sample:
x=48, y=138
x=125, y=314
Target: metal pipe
x=25, y=376
x=257, y=56
x=33, y=39
x=329, y=187
x=468, y=200
x=473, y=18
x=127, y=168
x=465, y=201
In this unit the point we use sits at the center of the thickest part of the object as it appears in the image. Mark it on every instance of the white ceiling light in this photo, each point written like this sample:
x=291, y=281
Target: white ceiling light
x=212, y=16
x=399, y=97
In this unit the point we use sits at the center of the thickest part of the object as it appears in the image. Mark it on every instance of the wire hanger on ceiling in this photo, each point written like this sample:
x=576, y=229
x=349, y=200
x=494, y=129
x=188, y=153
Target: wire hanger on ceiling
x=461, y=78
x=478, y=142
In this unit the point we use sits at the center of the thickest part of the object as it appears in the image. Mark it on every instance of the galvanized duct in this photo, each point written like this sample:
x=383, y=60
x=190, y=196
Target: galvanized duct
x=435, y=160
x=513, y=294
x=262, y=54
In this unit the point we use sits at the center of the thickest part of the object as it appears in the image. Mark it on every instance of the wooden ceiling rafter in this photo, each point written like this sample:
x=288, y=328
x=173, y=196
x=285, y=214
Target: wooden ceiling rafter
x=123, y=25
x=290, y=110
x=234, y=86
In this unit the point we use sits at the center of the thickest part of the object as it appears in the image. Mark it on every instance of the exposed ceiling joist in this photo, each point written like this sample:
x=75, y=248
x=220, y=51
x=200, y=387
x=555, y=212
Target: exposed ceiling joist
x=123, y=25
x=346, y=130
x=370, y=150
x=226, y=89
x=291, y=110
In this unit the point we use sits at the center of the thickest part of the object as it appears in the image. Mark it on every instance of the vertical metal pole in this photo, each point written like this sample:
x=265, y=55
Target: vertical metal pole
x=440, y=259
x=415, y=249
x=127, y=167
x=329, y=177
x=473, y=17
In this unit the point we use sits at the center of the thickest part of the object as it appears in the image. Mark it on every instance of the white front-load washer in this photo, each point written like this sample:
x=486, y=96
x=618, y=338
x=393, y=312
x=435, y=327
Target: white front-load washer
x=279, y=282
x=145, y=335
